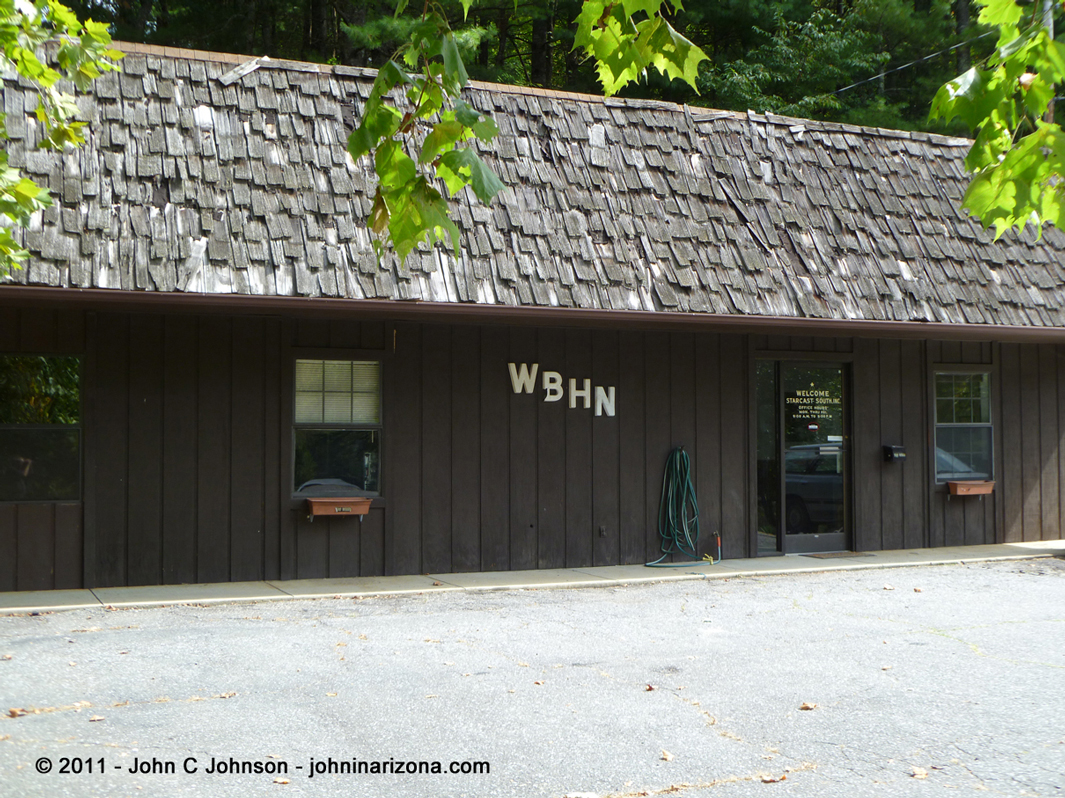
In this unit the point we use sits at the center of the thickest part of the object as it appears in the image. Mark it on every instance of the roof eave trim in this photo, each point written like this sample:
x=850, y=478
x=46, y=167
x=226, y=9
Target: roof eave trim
x=105, y=299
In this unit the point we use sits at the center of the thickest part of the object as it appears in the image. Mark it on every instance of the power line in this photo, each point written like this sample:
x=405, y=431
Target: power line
x=912, y=63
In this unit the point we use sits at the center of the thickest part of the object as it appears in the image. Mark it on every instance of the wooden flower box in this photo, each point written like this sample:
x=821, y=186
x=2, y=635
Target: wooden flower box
x=338, y=505
x=971, y=488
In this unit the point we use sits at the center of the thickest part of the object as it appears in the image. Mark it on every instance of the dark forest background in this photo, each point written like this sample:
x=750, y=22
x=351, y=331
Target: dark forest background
x=791, y=57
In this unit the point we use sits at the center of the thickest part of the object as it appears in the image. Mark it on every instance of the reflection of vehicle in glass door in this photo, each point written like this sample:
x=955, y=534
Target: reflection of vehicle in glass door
x=802, y=425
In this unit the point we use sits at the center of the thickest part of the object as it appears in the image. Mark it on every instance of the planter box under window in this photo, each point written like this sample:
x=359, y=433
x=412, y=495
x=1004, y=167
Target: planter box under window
x=338, y=506
x=971, y=488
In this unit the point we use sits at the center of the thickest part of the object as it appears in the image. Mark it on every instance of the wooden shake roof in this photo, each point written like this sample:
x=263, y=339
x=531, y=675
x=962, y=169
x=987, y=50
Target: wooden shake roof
x=201, y=175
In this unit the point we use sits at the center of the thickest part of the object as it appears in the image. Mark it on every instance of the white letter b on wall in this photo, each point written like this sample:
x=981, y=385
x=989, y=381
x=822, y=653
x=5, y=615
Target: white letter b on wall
x=553, y=386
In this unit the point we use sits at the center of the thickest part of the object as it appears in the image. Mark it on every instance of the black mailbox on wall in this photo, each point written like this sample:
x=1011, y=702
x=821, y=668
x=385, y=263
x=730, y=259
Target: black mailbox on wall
x=894, y=454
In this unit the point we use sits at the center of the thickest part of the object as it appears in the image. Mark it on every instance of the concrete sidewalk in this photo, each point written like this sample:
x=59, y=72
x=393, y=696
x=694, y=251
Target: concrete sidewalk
x=606, y=576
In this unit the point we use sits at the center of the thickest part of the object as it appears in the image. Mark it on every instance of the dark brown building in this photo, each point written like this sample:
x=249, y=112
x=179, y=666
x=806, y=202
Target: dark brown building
x=203, y=339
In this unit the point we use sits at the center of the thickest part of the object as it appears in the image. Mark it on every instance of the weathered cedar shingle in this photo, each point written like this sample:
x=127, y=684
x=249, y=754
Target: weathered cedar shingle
x=730, y=213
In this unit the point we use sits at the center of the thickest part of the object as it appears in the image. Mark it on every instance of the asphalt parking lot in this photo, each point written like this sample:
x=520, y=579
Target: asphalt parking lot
x=923, y=681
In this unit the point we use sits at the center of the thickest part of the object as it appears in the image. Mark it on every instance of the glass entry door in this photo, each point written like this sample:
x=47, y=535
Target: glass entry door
x=803, y=458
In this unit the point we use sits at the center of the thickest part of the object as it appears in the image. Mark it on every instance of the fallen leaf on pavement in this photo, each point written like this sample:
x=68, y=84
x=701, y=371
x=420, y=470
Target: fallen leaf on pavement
x=95, y=718
x=649, y=688
x=537, y=682
x=6, y=657
x=15, y=712
x=331, y=695
x=920, y=773
x=917, y=590
x=807, y=705
x=767, y=779
x=668, y=757
x=887, y=667
x=437, y=584
x=280, y=780
x=888, y=587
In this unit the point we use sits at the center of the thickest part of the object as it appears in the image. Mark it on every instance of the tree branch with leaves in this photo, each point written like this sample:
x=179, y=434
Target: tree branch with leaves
x=418, y=129
x=83, y=52
x=1018, y=158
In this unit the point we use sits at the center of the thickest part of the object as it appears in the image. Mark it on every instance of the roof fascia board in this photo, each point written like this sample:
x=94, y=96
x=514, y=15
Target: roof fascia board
x=111, y=300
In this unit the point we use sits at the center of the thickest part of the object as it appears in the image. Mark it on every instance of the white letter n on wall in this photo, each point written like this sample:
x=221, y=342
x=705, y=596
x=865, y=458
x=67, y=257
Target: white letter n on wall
x=604, y=400
x=524, y=380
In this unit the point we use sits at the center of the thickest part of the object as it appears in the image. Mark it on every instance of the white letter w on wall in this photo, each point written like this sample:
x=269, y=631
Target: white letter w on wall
x=524, y=380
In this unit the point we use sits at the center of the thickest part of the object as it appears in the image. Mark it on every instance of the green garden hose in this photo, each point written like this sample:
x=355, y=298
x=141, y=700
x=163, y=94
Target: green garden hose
x=678, y=514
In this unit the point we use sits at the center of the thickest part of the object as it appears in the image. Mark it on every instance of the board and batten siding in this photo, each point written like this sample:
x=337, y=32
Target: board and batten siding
x=479, y=477
x=187, y=446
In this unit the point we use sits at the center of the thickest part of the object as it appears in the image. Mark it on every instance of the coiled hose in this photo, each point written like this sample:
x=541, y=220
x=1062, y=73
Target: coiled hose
x=678, y=514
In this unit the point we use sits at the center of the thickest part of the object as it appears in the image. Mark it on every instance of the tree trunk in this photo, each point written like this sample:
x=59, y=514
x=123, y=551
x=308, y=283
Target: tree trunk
x=267, y=18
x=164, y=15
x=542, y=34
x=315, y=43
x=573, y=59
x=504, y=29
x=962, y=11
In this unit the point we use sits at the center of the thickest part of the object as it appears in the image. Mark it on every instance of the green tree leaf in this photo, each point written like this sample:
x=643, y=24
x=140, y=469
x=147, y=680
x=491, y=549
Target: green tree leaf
x=443, y=138
x=453, y=67
x=669, y=52
x=466, y=166
x=624, y=49
x=394, y=167
x=648, y=7
x=1000, y=13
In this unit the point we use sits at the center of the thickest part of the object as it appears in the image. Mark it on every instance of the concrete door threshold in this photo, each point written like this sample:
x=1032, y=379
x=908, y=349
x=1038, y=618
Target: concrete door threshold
x=31, y=601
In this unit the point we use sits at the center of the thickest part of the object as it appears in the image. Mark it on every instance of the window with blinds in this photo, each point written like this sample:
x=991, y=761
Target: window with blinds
x=337, y=428
x=338, y=392
x=964, y=433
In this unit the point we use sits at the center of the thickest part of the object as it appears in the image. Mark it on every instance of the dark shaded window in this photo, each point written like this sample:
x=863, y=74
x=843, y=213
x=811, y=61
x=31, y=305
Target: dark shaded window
x=337, y=428
x=964, y=435
x=40, y=435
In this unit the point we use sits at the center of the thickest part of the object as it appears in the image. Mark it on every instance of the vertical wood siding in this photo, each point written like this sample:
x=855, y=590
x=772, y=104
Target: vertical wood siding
x=1030, y=468
x=189, y=437
x=515, y=482
x=888, y=404
x=187, y=440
